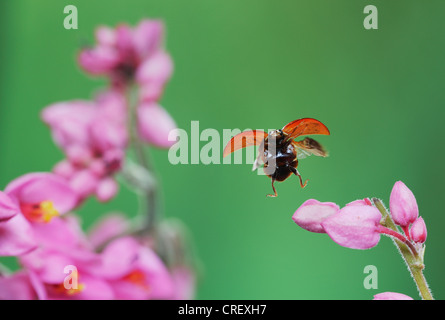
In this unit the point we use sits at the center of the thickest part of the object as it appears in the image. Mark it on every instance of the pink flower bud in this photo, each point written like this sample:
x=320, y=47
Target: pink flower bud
x=312, y=213
x=418, y=230
x=106, y=189
x=84, y=183
x=403, y=205
x=354, y=226
x=64, y=169
x=40, y=187
x=391, y=296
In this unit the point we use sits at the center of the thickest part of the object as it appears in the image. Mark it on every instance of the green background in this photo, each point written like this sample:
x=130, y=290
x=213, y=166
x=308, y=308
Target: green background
x=259, y=64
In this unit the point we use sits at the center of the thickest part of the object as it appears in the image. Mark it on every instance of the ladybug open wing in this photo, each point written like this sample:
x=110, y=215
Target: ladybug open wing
x=307, y=147
x=303, y=127
x=244, y=139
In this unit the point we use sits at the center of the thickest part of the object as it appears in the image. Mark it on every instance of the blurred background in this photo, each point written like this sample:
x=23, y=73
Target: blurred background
x=259, y=64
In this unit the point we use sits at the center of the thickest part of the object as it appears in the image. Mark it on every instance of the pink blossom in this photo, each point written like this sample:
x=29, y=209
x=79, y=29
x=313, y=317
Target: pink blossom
x=34, y=199
x=48, y=270
x=60, y=244
x=355, y=226
x=418, y=230
x=41, y=196
x=94, y=137
x=120, y=52
x=106, y=189
x=391, y=296
x=312, y=213
x=403, y=205
x=155, y=124
x=134, y=271
x=179, y=283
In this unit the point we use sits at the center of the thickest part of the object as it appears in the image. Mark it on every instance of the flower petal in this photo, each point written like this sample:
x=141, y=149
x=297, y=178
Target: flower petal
x=312, y=213
x=147, y=37
x=16, y=287
x=16, y=236
x=38, y=187
x=354, y=227
x=8, y=208
x=155, y=124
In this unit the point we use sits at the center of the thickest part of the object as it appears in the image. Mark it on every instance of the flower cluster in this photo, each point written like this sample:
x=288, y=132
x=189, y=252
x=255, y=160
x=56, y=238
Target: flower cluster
x=58, y=259
x=360, y=223
x=95, y=134
x=357, y=225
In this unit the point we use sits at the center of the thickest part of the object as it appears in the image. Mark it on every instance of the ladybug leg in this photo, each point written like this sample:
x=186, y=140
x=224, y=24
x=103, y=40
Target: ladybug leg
x=295, y=171
x=274, y=190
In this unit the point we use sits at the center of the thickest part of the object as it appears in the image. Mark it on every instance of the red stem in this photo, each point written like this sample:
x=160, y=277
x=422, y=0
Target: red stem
x=406, y=230
x=390, y=232
x=395, y=234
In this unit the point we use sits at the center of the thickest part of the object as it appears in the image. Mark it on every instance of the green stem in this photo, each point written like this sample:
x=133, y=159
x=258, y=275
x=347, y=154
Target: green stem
x=148, y=187
x=413, y=260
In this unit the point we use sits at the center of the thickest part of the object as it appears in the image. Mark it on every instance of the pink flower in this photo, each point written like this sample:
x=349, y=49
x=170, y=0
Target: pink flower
x=179, y=283
x=391, y=296
x=41, y=196
x=62, y=244
x=134, y=271
x=31, y=200
x=155, y=124
x=125, y=54
x=94, y=138
x=403, y=205
x=312, y=213
x=355, y=227
x=418, y=230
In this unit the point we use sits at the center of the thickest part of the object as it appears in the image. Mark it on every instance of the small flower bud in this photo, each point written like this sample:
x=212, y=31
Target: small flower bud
x=418, y=230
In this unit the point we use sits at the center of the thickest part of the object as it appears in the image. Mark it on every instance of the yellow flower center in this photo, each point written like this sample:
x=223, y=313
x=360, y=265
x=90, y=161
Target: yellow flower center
x=40, y=212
